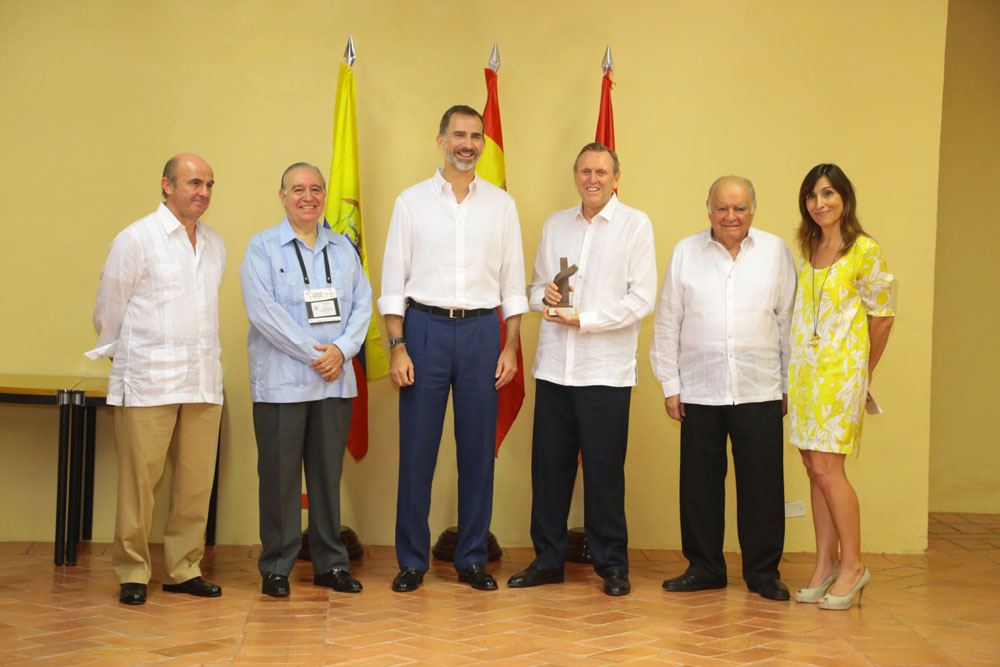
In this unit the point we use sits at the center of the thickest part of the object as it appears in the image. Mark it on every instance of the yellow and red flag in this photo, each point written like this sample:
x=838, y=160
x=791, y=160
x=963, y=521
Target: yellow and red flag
x=491, y=168
x=343, y=215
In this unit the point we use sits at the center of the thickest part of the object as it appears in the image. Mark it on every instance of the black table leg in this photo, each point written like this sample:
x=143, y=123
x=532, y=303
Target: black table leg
x=88, y=472
x=75, y=479
x=63, y=399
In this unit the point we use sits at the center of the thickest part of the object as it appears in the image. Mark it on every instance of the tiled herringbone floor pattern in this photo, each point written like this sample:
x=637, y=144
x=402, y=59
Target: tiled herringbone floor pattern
x=941, y=608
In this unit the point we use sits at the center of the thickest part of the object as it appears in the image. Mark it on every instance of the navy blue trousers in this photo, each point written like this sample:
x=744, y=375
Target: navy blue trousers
x=755, y=430
x=459, y=355
x=591, y=421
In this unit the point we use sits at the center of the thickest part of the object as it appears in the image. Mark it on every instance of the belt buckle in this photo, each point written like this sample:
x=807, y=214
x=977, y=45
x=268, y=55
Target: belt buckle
x=451, y=313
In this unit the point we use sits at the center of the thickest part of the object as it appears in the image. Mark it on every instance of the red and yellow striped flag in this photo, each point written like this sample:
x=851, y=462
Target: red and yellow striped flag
x=491, y=168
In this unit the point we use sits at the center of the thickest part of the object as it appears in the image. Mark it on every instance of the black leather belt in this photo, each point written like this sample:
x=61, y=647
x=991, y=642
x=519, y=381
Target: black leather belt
x=451, y=313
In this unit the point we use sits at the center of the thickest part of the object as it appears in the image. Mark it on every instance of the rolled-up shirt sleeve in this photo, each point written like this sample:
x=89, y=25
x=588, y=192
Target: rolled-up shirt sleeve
x=512, y=288
x=396, y=262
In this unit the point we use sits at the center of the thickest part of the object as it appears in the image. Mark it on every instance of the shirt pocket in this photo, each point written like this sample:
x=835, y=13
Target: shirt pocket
x=167, y=284
x=288, y=291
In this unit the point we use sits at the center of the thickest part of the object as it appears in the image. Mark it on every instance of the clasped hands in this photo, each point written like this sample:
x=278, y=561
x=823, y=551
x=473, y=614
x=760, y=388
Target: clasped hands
x=330, y=363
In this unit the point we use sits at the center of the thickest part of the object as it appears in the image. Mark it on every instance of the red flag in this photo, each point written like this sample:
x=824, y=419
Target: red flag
x=357, y=438
x=605, y=116
x=491, y=167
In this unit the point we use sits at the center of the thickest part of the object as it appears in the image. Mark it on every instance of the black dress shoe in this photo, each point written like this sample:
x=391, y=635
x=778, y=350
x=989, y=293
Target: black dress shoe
x=477, y=577
x=132, y=594
x=196, y=586
x=407, y=580
x=275, y=585
x=688, y=583
x=616, y=583
x=772, y=589
x=339, y=580
x=532, y=576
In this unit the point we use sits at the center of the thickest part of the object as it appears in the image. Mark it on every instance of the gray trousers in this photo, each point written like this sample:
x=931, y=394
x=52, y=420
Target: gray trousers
x=289, y=436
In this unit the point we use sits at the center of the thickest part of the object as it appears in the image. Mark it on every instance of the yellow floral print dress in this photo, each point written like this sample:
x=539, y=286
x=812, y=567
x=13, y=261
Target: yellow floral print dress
x=828, y=382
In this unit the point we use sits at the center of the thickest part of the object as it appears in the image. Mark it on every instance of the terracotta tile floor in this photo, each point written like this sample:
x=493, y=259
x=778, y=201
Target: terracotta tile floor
x=941, y=608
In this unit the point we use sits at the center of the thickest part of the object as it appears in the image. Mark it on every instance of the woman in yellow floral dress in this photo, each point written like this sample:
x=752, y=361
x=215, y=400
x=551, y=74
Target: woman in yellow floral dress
x=843, y=313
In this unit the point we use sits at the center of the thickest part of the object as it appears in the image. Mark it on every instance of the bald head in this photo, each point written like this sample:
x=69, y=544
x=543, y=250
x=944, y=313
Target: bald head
x=739, y=180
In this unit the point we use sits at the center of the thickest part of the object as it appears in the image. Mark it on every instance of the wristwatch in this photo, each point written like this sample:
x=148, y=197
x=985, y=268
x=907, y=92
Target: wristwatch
x=393, y=342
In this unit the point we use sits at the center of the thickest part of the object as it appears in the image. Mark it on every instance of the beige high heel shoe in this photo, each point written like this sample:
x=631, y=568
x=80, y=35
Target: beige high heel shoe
x=843, y=602
x=814, y=594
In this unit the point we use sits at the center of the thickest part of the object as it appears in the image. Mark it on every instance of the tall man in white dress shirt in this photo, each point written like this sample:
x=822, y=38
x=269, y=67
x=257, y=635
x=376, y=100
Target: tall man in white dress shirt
x=720, y=349
x=585, y=369
x=157, y=318
x=453, y=254
x=309, y=305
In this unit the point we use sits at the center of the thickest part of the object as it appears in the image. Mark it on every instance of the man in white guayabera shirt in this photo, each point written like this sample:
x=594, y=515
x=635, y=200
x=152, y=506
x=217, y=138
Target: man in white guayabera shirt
x=720, y=349
x=585, y=369
x=157, y=318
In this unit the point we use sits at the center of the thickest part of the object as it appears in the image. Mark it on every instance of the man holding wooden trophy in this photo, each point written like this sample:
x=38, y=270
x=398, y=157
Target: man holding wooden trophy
x=601, y=255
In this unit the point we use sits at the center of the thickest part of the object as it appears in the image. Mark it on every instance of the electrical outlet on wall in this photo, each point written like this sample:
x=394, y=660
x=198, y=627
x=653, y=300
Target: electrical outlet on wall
x=795, y=508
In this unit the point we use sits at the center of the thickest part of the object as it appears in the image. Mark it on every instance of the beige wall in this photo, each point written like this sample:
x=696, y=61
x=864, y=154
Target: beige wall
x=97, y=94
x=965, y=447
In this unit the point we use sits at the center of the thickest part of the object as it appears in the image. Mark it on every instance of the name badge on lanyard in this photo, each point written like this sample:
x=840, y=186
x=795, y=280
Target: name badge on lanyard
x=322, y=304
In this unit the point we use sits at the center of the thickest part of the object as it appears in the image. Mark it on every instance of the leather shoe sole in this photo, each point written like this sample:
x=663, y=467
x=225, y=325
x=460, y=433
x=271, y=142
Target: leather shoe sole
x=275, y=585
x=773, y=589
x=407, y=580
x=132, y=594
x=477, y=577
x=339, y=580
x=689, y=583
x=197, y=587
x=532, y=576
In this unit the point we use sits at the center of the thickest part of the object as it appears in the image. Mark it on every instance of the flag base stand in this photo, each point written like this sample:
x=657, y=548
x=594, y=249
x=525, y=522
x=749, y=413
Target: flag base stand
x=444, y=548
x=577, y=550
x=355, y=550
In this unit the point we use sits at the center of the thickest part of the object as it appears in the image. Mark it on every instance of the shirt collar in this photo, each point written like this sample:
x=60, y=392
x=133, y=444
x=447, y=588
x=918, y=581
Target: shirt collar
x=171, y=224
x=442, y=186
x=748, y=242
x=606, y=213
x=286, y=234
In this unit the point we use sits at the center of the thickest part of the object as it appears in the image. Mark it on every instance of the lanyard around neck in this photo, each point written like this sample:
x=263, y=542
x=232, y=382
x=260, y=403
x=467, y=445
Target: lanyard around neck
x=302, y=264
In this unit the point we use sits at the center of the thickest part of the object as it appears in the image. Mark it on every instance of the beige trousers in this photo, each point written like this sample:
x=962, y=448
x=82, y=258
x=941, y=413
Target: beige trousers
x=144, y=437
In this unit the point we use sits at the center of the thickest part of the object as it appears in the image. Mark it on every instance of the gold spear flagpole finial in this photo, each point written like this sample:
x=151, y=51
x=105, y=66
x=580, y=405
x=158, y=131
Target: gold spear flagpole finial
x=494, y=62
x=349, y=55
x=607, y=64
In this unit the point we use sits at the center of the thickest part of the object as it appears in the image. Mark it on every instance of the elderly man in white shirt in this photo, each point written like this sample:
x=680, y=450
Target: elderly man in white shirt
x=157, y=318
x=585, y=369
x=452, y=256
x=720, y=349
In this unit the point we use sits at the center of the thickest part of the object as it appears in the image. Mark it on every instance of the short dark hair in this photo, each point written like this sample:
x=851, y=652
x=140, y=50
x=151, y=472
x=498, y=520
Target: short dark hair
x=809, y=232
x=170, y=173
x=462, y=110
x=598, y=147
x=299, y=165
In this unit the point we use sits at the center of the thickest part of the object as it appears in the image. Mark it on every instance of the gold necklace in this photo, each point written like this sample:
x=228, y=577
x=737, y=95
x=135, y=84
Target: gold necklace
x=818, y=299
